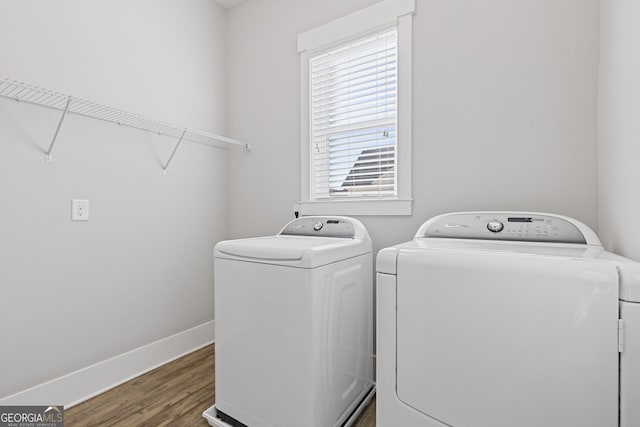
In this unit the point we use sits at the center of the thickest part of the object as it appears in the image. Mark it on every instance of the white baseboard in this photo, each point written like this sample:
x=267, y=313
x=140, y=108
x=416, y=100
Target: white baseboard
x=85, y=383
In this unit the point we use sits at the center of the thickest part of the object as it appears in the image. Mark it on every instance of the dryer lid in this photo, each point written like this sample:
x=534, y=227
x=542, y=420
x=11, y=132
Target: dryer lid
x=628, y=273
x=628, y=269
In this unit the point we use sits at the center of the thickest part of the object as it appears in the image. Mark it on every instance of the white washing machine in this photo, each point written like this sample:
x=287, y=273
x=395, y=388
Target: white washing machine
x=294, y=326
x=502, y=319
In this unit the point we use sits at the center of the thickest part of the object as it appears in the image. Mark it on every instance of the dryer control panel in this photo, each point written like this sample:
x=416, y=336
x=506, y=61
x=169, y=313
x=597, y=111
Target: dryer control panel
x=512, y=226
x=321, y=227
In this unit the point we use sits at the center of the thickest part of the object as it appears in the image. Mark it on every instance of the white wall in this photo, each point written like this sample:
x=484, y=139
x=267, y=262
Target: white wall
x=504, y=113
x=619, y=126
x=72, y=294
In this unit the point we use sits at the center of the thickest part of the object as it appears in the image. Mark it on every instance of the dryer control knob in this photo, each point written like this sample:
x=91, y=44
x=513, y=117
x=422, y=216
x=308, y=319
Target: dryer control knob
x=495, y=226
x=318, y=226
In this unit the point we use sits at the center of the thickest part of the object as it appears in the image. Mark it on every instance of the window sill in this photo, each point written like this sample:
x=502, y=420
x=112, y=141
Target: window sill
x=356, y=207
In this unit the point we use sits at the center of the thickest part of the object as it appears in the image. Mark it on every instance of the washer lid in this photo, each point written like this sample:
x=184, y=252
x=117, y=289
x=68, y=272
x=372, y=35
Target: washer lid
x=292, y=251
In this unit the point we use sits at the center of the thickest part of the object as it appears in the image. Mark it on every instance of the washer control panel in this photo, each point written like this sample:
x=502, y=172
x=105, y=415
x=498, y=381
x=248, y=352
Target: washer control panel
x=495, y=226
x=503, y=226
x=320, y=227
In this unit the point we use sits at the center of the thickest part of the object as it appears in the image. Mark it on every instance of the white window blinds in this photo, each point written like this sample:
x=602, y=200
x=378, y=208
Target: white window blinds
x=353, y=119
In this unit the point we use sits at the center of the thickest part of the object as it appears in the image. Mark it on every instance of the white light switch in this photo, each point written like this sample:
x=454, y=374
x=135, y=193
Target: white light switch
x=79, y=210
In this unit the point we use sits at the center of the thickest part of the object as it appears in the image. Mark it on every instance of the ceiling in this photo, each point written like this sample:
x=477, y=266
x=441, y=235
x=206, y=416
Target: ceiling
x=228, y=3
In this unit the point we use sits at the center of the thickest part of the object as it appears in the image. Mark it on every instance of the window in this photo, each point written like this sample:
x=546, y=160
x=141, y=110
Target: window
x=356, y=113
x=353, y=92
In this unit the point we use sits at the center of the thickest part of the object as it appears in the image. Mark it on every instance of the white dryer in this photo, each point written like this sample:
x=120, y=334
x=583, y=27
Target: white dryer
x=507, y=319
x=294, y=326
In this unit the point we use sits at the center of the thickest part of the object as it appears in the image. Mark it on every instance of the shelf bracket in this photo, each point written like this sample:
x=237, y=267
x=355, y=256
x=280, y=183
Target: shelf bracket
x=47, y=156
x=164, y=168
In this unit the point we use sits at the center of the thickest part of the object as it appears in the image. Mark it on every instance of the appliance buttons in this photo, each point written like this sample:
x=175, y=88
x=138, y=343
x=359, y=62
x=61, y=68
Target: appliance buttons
x=495, y=226
x=318, y=226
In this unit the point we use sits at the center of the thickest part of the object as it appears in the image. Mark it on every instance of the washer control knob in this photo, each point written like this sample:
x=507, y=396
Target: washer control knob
x=318, y=226
x=495, y=226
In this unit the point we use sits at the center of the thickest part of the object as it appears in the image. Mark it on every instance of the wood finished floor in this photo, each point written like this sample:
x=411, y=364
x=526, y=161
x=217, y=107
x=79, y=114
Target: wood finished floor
x=175, y=394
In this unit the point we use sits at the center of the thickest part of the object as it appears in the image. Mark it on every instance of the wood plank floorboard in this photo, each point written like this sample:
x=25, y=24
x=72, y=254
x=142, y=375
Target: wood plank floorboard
x=175, y=394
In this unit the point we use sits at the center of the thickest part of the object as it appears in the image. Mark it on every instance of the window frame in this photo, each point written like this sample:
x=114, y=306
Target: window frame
x=385, y=14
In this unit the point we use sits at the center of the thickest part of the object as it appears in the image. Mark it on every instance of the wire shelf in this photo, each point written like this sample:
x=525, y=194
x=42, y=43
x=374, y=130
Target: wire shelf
x=69, y=104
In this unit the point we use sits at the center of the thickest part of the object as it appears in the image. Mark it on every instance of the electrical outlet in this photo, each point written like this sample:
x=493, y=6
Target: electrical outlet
x=79, y=210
